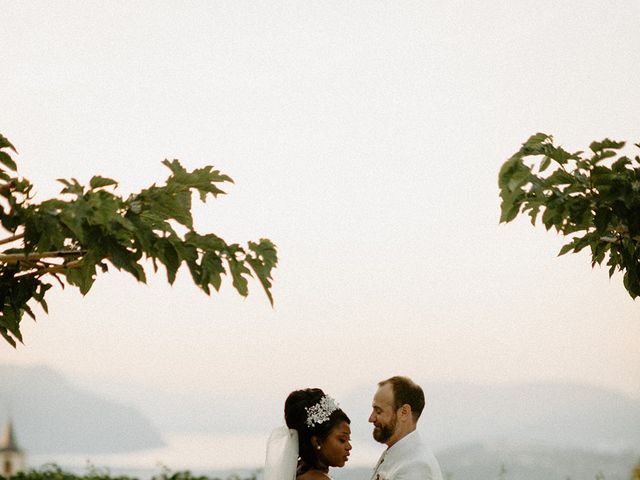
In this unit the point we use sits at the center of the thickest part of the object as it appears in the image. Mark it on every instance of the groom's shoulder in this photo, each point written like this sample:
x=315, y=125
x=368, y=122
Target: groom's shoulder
x=419, y=465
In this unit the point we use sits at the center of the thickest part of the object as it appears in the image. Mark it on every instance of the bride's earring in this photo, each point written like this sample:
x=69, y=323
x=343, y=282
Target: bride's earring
x=318, y=447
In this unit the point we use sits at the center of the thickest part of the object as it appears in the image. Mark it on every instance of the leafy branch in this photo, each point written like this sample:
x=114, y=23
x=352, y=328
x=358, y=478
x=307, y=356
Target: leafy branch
x=90, y=229
x=593, y=199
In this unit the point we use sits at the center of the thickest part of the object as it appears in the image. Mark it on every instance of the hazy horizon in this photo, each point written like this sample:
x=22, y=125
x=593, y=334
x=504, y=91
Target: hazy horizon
x=118, y=426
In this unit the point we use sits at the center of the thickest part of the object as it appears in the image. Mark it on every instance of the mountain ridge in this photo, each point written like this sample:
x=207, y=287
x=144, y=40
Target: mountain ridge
x=553, y=414
x=566, y=414
x=51, y=415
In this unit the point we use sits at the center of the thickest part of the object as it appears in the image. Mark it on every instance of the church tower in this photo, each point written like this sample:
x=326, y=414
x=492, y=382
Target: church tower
x=11, y=456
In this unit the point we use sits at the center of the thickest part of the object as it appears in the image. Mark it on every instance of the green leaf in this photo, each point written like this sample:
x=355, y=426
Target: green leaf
x=558, y=154
x=4, y=143
x=620, y=165
x=71, y=186
x=509, y=211
x=160, y=204
x=544, y=164
x=238, y=271
x=605, y=144
x=604, y=155
x=9, y=339
x=601, y=219
x=508, y=169
x=579, y=211
x=203, y=180
x=537, y=139
x=175, y=166
x=39, y=296
x=126, y=260
x=560, y=177
x=533, y=214
x=171, y=261
x=7, y=161
x=565, y=249
x=28, y=311
x=212, y=270
x=100, y=182
x=265, y=259
x=82, y=277
x=10, y=321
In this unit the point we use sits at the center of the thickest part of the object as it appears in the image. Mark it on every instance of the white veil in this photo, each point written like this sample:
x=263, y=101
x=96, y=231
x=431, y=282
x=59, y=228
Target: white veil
x=282, y=455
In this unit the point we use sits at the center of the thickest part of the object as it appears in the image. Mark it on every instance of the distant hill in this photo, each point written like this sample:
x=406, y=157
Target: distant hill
x=50, y=415
x=566, y=415
x=555, y=414
x=517, y=462
x=211, y=412
x=535, y=431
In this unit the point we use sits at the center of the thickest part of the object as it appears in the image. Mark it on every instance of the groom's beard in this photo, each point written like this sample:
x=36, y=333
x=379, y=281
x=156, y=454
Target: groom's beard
x=383, y=433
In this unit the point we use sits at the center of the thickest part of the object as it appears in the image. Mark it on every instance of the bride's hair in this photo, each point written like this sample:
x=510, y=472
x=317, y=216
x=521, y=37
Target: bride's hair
x=296, y=415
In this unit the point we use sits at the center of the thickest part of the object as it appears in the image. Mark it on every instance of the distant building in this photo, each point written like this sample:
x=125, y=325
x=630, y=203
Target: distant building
x=11, y=456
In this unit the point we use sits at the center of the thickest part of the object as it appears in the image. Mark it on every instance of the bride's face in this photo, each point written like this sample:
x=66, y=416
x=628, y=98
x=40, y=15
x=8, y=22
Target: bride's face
x=334, y=450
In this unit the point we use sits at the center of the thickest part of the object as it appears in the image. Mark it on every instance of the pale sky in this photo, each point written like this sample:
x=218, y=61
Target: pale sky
x=365, y=140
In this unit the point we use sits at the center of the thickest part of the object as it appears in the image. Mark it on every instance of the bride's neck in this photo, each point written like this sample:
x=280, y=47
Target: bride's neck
x=314, y=473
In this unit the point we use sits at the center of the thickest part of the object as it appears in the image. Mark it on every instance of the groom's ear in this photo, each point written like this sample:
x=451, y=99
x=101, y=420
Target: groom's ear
x=405, y=411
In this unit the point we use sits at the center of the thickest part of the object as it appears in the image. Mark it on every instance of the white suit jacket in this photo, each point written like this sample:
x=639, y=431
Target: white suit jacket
x=408, y=459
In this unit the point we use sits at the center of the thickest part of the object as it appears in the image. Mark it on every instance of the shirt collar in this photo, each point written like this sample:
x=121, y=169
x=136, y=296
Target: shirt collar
x=408, y=441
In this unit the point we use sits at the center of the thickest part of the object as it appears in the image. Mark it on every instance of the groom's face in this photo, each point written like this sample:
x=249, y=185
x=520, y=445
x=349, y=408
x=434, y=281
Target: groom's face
x=383, y=415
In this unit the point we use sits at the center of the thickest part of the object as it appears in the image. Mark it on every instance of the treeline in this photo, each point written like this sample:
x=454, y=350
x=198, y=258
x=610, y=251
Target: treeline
x=54, y=472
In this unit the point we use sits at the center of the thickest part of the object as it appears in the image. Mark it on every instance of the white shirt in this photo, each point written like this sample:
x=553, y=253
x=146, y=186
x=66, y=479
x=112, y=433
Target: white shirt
x=408, y=459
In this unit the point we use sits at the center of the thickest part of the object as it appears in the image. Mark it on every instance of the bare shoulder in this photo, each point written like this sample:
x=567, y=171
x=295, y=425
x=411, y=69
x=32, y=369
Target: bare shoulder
x=313, y=475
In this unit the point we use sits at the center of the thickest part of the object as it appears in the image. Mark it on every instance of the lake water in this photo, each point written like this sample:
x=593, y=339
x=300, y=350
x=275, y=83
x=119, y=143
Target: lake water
x=197, y=452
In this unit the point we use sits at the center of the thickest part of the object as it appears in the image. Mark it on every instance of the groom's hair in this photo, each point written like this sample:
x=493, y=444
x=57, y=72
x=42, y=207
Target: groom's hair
x=406, y=391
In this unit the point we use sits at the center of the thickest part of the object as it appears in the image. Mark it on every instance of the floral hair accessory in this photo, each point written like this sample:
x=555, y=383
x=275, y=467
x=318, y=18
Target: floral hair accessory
x=321, y=411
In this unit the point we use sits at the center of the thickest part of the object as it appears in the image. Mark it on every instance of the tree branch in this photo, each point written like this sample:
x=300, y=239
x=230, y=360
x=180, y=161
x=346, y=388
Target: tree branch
x=52, y=269
x=610, y=239
x=12, y=238
x=11, y=258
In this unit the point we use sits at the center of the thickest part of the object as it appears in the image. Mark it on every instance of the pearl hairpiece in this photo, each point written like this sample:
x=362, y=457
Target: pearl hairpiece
x=321, y=411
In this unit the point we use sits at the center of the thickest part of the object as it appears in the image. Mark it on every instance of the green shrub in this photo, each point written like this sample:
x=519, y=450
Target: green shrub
x=54, y=472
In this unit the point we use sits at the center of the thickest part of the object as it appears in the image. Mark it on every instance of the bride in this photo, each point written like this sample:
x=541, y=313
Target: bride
x=317, y=436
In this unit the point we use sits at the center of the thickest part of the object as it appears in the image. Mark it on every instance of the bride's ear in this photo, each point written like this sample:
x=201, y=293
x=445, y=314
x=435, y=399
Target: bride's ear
x=315, y=442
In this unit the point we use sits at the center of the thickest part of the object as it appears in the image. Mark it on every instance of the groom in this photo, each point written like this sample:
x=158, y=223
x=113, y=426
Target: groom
x=397, y=406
